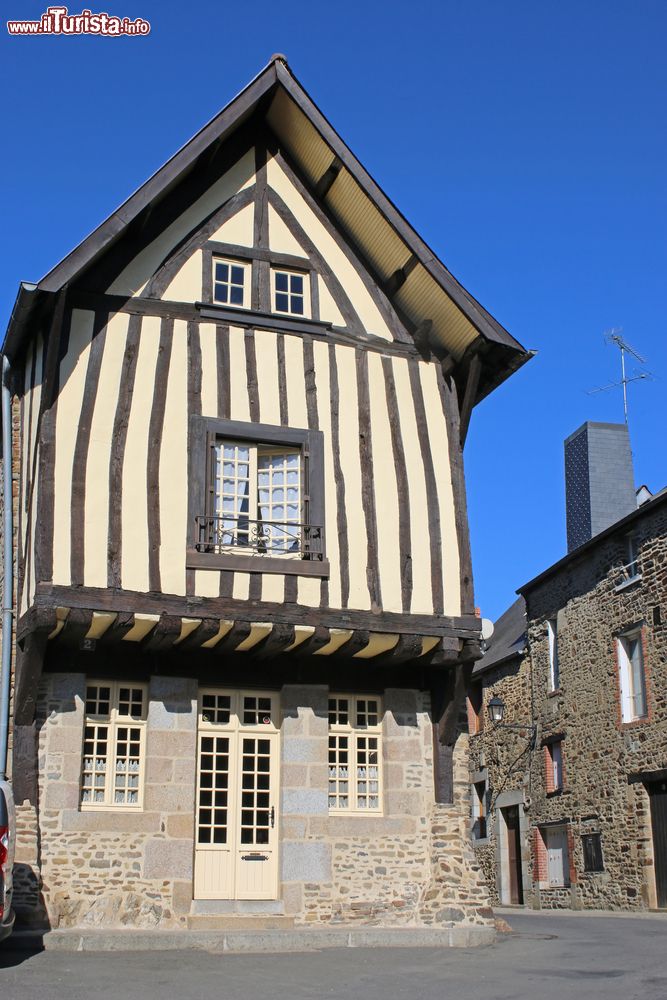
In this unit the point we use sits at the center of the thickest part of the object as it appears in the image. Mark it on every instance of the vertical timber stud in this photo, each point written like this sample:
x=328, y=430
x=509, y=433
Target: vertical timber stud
x=448, y=692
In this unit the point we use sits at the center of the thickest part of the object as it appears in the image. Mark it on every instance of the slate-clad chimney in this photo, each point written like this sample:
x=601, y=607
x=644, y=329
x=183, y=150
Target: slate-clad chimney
x=599, y=480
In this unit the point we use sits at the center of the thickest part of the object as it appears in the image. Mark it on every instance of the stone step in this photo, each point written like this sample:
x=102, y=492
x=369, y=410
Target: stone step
x=238, y=922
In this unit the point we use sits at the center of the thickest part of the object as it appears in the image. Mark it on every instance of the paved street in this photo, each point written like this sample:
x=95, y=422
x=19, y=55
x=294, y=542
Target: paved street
x=546, y=957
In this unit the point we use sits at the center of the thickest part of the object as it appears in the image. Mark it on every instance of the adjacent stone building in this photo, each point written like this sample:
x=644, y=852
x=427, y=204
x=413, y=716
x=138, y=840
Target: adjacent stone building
x=245, y=618
x=575, y=810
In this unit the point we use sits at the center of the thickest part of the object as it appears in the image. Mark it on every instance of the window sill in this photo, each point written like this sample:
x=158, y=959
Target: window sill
x=85, y=808
x=554, y=793
x=628, y=583
x=265, y=321
x=555, y=693
x=257, y=564
x=480, y=841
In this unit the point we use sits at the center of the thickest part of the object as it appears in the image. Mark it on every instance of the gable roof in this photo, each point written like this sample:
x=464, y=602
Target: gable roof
x=508, y=639
x=416, y=281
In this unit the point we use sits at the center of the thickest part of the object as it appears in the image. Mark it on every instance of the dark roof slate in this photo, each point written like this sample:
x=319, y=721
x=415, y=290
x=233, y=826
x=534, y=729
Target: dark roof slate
x=508, y=639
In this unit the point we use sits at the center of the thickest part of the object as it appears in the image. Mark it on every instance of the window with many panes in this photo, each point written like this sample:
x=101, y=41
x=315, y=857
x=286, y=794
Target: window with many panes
x=290, y=292
x=632, y=676
x=114, y=745
x=231, y=282
x=257, y=497
x=355, y=753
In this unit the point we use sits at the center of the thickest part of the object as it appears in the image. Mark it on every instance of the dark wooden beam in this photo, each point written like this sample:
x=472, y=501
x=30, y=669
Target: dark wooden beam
x=208, y=628
x=30, y=654
x=280, y=637
x=327, y=179
x=470, y=395
x=357, y=641
x=164, y=635
x=399, y=277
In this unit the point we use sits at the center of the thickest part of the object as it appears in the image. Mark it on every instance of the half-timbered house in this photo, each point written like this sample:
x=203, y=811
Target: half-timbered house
x=244, y=611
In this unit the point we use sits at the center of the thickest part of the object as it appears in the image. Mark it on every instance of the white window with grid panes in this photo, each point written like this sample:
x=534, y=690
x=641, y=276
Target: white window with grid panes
x=257, y=498
x=290, y=293
x=231, y=283
x=114, y=745
x=355, y=753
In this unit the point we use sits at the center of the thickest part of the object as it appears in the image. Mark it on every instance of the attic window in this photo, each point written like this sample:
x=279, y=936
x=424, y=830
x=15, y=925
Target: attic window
x=290, y=293
x=231, y=284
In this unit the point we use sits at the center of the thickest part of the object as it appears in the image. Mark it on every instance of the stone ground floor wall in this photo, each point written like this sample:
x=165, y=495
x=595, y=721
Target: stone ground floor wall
x=412, y=865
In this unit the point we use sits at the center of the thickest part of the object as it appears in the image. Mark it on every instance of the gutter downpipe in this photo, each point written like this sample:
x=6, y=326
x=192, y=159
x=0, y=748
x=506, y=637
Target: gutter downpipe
x=8, y=583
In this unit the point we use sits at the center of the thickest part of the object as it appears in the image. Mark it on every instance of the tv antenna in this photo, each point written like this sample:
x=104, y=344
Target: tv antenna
x=613, y=336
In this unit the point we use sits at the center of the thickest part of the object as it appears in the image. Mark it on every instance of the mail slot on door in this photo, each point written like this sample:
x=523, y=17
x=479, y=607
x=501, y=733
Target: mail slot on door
x=254, y=857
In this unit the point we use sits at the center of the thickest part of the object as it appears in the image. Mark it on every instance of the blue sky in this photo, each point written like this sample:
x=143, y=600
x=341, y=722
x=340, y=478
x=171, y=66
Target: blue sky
x=525, y=141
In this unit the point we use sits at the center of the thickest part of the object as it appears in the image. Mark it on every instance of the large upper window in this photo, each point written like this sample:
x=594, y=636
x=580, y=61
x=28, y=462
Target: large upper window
x=257, y=493
x=632, y=677
x=257, y=498
x=113, y=745
x=355, y=753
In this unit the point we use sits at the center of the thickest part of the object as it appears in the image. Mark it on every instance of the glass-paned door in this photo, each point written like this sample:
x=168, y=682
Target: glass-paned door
x=237, y=795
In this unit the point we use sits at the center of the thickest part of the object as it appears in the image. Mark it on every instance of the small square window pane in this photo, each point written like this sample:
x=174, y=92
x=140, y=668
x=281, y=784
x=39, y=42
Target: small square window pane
x=281, y=282
x=297, y=284
x=282, y=302
x=236, y=295
x=222, y=272
x=221, y=293
x=237, y=275
x=297, y=306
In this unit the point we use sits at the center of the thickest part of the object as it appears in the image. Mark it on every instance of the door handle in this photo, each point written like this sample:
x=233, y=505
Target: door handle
x=273, y=817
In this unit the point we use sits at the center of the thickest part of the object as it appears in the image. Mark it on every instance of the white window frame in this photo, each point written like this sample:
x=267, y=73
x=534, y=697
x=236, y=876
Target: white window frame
x=554, y=664
x=114, y=722
x=246, y=267
x=357, y=737
x=632, y=677
x=257, y=450
x=556, y=763
x=306, y=292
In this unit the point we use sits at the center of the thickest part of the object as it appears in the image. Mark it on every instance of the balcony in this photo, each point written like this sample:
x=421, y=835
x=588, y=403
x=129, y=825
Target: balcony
x=242, y=535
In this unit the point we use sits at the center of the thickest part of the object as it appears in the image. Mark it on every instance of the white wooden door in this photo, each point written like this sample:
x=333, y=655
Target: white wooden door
x=557, y=856
x=238, y=759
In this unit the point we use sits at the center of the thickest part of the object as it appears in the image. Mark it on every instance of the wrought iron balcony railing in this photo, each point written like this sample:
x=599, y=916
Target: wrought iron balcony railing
x=238, y=533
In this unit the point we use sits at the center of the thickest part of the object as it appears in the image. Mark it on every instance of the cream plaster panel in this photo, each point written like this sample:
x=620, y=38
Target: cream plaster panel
x=139, y=271
x=238, y=229
x=280, y=238
x=309, y=589
x=26, y=439
x=173, y=468
x=209, y=369
x=241, y=588
x=240, y=404
x=186, y=285
x=99, y=453
x=273, y=588
x=422, y=596
x=437, y=431
x=366, y=308
x=329, y=311
x=134, y=560
x=296, y=382
x=34, y=447
x=207, y=583
x=266, y=352
x=385, y=488
x=321, y=356
x=351, y=465
x=72, y=382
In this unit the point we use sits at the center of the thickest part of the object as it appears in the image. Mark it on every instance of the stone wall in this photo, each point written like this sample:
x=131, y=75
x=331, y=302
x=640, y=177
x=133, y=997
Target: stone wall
x=600, y=752
x=410, y=866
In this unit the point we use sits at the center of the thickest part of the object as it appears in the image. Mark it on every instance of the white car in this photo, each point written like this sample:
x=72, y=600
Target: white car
x=7, y=843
